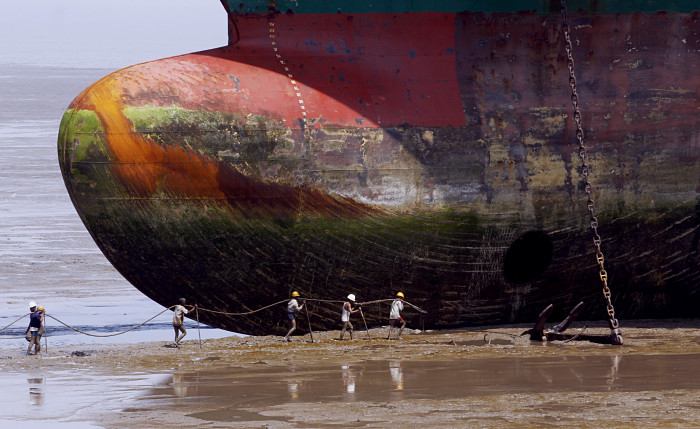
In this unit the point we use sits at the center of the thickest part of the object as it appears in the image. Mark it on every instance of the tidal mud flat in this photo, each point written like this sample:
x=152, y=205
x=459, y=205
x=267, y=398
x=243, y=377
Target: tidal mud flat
x=483, y=377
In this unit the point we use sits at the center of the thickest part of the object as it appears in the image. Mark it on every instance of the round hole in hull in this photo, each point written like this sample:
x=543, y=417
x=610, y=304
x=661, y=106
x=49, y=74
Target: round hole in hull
x=528, y=257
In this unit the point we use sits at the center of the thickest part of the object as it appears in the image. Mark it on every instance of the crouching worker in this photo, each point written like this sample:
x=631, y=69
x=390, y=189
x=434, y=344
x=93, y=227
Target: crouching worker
x=179, y=312
x=395, y=315
x=293, y=308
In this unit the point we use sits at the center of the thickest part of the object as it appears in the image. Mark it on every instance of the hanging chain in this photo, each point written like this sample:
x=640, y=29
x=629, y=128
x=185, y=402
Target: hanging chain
x=616, y=335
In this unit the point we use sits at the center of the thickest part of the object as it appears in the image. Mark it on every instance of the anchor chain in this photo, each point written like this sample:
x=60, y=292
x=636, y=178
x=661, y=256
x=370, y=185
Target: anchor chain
x=615, y=334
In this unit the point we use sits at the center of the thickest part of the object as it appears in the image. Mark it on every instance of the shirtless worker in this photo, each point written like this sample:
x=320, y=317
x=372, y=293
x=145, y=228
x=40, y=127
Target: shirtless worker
x=179, y=312
x=395, y=315
x=293, y=308
x=345, y=315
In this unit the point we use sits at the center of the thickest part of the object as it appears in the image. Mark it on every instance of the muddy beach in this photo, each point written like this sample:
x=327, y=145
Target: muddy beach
x=486, y=377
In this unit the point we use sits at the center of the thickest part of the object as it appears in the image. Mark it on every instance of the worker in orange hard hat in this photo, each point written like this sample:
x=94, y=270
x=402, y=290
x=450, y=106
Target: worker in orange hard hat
x=293, y=308
x=395, y=315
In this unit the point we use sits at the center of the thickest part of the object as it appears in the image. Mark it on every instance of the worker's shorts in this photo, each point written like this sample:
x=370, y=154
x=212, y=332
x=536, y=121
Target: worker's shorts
x=290, y=315
x=398, y=321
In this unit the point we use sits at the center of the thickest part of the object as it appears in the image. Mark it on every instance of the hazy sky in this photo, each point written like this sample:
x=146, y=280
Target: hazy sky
x=107, y=33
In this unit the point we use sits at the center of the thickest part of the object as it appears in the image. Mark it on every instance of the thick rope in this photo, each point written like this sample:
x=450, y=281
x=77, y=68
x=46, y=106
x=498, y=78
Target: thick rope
x=499, y=333
x=109, y=335
x=420, y=310
x=246, y=313
x=15, y=322
x=577, y=335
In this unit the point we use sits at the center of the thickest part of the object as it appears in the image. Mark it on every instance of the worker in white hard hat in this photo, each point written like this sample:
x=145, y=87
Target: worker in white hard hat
x=395, y=315
x=35, y=328
x=345, y=315
x=293, y=308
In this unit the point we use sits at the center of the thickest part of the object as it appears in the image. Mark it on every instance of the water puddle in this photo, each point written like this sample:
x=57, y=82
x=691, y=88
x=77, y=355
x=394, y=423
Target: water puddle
x=228, y=394
x=487, y=392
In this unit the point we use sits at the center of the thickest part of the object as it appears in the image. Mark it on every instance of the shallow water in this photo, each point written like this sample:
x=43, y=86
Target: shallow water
x=443, y=380
x=46, y=254
x=64, y=398
x=273, y=395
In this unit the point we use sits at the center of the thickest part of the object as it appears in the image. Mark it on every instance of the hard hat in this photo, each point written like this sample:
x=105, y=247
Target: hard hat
x=40, y=308
x=295, y=294
x=400, y=294
x=351, y=297
x=32, y=304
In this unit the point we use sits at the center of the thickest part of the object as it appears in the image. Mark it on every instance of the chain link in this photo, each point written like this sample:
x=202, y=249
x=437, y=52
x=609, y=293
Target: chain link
x=616, y=335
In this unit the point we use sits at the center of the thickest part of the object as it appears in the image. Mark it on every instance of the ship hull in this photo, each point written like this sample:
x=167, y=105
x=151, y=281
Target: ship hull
x=351, y=153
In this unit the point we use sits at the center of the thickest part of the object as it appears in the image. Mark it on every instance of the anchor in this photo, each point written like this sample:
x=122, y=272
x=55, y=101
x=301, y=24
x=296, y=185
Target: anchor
x=556, y=333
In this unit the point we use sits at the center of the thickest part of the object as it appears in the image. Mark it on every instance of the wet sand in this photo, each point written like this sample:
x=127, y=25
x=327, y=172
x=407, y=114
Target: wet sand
x=447, y=378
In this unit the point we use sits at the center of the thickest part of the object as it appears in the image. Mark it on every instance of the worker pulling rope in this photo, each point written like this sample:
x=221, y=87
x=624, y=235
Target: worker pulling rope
x=487, y=338
x=245, y=313
x=331, y=301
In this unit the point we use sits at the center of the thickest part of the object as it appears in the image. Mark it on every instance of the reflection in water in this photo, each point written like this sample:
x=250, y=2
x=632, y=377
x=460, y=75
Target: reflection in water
x=36, y=391
x=396, y=371
x=293, y=388
x=367, y=381
x=179, y=385
x=348, y=378
x=614, y=367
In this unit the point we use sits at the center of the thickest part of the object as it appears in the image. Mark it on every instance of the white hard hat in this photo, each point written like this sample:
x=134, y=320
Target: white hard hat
x=351, y=297
x=32, y=304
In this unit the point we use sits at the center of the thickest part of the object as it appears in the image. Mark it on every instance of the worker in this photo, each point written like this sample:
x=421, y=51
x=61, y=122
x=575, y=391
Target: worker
x=345, y=315
x=32, y=309
x=395, y=315
x=293, y=308
x=179, y=312
x=35, y=328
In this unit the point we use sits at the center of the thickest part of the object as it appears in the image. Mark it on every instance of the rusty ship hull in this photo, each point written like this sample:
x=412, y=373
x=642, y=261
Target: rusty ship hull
x=429, y=151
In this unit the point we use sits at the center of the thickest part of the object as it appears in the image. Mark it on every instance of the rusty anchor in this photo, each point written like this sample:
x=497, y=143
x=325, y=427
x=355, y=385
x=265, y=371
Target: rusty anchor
x=556, y=333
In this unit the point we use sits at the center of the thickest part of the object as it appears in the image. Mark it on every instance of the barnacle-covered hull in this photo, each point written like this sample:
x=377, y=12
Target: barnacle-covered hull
x=425, y=151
